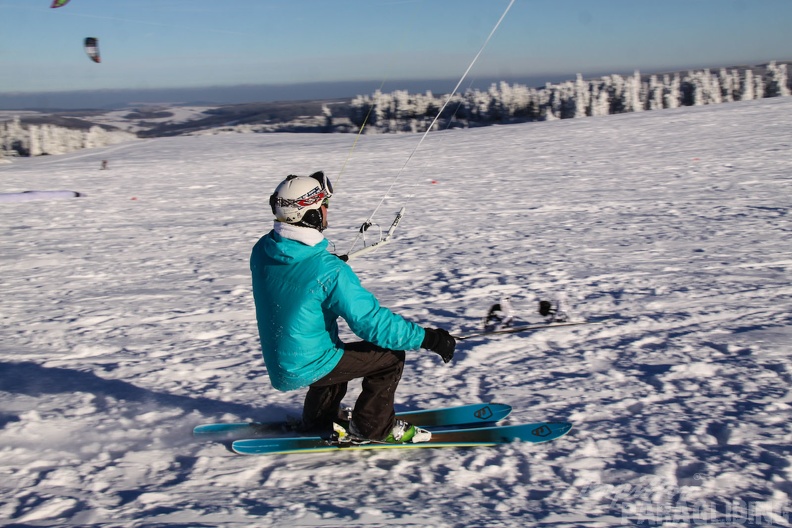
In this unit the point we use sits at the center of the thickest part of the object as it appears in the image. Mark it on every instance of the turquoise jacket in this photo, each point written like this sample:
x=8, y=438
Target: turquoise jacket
x=300, y=291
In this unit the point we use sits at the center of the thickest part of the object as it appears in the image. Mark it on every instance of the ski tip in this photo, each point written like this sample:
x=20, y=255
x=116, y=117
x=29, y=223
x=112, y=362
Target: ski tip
x=538, y=432
x=498, y=411
x=490, y=412
x=495, y=406
x=556, y=429
x=219, y=428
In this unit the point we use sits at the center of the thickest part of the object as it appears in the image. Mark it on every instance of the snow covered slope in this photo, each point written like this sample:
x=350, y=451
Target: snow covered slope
x=127, y=319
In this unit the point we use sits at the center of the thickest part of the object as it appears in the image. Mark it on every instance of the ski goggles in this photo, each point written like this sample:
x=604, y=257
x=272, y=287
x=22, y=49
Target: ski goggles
x=308, y=201
x=327, y=186
x=324, y=181
x=322, y=194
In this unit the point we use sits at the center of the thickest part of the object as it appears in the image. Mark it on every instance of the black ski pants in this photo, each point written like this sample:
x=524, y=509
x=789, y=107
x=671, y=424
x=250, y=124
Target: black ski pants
x=373, y=414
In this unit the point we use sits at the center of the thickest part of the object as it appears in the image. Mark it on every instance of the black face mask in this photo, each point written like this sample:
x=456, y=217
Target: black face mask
x=313, y=218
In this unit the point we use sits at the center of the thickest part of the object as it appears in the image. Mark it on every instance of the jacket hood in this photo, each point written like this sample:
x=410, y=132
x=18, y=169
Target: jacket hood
x=287, y=250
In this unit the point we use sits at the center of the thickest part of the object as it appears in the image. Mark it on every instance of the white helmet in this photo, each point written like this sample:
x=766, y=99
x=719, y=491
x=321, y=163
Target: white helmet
x=298, y=200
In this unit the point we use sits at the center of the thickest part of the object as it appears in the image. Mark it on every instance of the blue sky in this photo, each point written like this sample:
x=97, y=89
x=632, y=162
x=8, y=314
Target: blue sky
x=187, y=43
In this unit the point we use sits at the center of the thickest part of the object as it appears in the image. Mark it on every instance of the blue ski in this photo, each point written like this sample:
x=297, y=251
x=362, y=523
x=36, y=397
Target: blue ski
x=483, y=436
x=473, y=414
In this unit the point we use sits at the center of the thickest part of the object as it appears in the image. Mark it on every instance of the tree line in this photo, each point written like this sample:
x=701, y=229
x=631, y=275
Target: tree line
x=400, y=111
x=18, y=139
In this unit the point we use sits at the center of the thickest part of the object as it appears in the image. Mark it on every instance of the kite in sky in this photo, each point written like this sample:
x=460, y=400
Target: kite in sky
x=59, y=3
x=92, y=49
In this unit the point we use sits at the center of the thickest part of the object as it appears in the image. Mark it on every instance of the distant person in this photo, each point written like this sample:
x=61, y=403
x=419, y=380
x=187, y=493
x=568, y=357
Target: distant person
x=300, y=291
x=104, y=165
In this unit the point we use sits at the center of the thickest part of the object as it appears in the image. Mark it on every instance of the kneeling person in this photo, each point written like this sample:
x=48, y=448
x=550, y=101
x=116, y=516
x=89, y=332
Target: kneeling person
x=300, y=291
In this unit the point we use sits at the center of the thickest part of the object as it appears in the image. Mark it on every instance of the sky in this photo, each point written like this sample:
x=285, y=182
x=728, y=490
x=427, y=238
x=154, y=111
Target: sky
x=152, y=44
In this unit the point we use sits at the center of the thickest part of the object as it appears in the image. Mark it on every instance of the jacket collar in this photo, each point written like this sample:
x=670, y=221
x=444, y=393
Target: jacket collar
x=306, y=235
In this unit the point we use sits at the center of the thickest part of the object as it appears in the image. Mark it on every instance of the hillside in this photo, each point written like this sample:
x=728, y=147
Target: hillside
x=403, y=112
x=127, y=319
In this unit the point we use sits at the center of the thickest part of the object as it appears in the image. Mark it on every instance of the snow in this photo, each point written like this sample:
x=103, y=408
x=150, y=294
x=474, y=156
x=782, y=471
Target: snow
x=29, y=196
x=121, y=118
x=127, y=319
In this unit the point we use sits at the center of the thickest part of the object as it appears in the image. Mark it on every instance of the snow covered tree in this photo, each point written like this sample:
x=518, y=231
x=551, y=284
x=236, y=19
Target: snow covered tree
x=17, y=139
x=776, y=80
x=612, y=94
x=759, y=87
x=672, y=93
x=600, y=99
x=655, y=94
x=582, y=97
x=748, y=87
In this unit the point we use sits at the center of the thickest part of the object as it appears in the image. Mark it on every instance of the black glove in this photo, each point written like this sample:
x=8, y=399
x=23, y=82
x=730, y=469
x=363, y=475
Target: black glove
x=440, y=341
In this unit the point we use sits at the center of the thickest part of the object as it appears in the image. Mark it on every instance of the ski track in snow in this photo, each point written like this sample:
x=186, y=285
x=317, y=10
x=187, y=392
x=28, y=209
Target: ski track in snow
x=127, y=319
